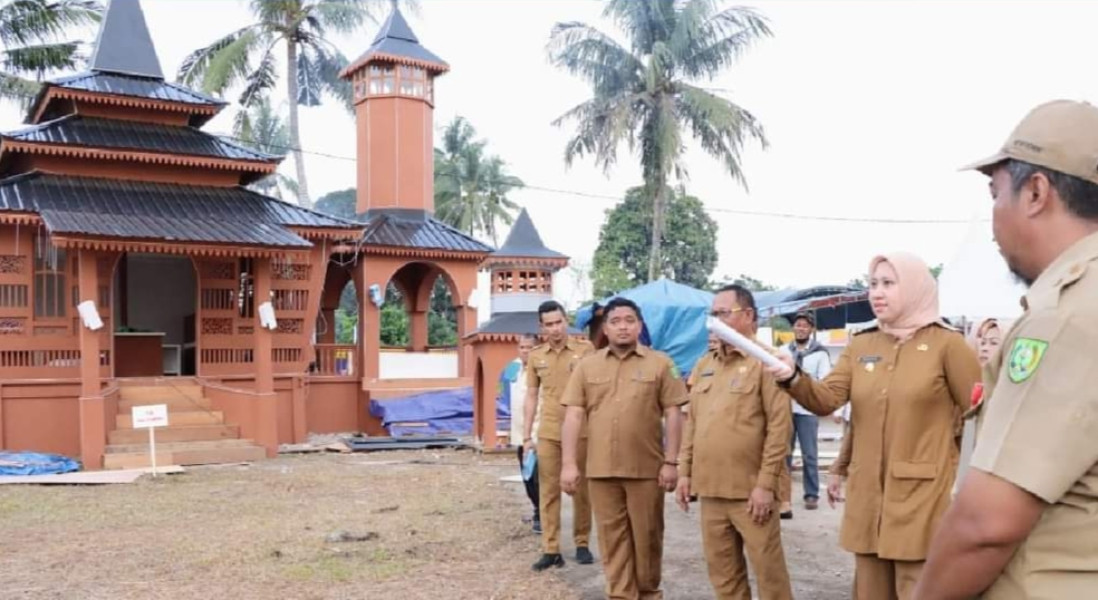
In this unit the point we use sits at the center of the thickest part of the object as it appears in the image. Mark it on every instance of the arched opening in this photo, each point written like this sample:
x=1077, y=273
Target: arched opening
x=338, y=326
x=418, y=325
x=154, y=312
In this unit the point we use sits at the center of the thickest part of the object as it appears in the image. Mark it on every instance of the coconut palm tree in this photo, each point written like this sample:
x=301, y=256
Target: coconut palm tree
x=296, y=29
x=649, y=94
x=262, y=127
x=471, y=187
x=36, y=36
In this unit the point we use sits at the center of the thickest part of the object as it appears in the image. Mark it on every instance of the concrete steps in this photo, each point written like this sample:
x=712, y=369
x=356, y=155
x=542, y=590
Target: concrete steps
x=196, y=434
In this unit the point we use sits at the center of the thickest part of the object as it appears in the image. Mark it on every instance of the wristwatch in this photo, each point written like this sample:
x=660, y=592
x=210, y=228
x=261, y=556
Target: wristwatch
x=785, y=383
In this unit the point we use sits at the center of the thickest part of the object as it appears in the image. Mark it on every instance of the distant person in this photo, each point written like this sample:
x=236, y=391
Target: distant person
x=550, y=366
x=906, y=379
x=514, y=377
x=813, y=360
x=629, y=395
x=732, y=459
x=1025, y=521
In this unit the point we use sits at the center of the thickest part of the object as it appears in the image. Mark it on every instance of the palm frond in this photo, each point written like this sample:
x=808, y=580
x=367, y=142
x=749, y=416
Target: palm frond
x=309, y=81
x=717, y=42
x=262, y=79
x=330, y=62
x=595, y=56
x=196, y=65
x=341, y=16
x=602, y=124
x=25, y=22
x=644, y=22
x=18, y=89
x=38, y=59
x=721, y=126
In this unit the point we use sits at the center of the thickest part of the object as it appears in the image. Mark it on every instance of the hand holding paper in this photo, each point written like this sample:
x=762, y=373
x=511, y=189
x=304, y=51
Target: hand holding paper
x=728, y=335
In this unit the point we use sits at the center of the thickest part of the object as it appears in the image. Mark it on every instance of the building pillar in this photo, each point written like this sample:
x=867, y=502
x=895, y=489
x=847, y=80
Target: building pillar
x=417, y=323
x=369, y=325
x=466, y=324
x=93, y=419
x=266, y=402
x=328, y=336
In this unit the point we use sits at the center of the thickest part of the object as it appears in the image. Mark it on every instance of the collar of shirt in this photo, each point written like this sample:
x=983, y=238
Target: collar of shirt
x=639, y=350
x=1066, y=269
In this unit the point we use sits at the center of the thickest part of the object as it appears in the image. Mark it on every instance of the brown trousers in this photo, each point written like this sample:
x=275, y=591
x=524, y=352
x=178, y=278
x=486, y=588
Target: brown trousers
x=629, y=514
x=727, y=531
x=549, y=466
x=882, y=579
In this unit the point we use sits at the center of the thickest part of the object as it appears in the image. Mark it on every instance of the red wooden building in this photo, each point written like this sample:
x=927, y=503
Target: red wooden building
x=113, y=199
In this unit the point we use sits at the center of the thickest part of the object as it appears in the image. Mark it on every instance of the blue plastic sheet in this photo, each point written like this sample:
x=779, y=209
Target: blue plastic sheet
x=35, y=463
x=674, y=315
x=433, y=413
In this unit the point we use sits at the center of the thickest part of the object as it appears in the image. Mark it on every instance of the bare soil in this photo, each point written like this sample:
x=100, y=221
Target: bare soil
x=408, y=524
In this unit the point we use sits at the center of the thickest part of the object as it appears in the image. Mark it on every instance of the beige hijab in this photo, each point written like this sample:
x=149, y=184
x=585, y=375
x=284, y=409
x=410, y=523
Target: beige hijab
x=918, y=294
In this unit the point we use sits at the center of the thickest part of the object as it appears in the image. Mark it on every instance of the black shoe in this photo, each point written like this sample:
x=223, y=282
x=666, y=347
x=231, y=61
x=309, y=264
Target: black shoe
x=549, y=560
x=584, y=556
x=786, y=515
x=537, y=525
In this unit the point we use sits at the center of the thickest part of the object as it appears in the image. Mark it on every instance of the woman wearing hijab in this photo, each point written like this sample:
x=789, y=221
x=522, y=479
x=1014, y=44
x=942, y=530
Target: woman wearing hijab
x=906, y=380
x=989, y=336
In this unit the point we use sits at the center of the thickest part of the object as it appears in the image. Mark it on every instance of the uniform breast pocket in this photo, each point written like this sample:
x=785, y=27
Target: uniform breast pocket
x=597, y=391
x=644, y=385
x=742, y=397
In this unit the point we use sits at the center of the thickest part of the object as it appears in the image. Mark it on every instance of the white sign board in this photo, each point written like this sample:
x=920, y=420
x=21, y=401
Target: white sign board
x=151, y=415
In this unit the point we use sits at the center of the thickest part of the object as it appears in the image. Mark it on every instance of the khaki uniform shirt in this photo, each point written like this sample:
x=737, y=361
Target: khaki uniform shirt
x=739, y=428
x=624, y=399
x=1039, y=429
x=905, y=401
x=548, y=372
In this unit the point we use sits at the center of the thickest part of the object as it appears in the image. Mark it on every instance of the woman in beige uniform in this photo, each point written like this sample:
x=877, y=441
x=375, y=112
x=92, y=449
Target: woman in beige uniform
x=907, y=380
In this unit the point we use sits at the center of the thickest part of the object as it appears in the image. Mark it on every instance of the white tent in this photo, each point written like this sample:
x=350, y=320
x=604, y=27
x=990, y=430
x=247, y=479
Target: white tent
x=976, y=282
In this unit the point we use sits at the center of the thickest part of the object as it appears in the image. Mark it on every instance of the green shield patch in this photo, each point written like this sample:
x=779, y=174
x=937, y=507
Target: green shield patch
x=1025, y=356
x=675, y=371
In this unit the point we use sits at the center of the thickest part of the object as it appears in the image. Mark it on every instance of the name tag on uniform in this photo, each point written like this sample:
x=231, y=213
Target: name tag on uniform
x=708, y=373
x=869, y=362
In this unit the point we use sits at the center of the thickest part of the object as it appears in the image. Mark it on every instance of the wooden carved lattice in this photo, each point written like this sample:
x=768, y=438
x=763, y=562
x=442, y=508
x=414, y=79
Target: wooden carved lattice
x=246, y=329
x=219, y=270
x=13, y=326
x=212, y=326
x=290, y=325
x=12, y=264
x=288, y=272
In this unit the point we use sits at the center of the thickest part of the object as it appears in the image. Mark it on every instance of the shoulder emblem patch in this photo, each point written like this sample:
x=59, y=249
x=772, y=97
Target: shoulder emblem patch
x=1025, y=356
x=675, y=371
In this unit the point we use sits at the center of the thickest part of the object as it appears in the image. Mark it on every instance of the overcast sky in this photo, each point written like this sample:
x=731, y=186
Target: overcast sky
x=870, y=108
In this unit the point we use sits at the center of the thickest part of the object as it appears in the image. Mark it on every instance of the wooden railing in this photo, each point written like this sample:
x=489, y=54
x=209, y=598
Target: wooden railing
x=336, y=359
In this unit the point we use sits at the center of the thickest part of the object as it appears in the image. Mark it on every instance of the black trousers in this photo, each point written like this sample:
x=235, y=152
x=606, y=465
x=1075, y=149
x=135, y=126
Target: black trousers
x=531, y=486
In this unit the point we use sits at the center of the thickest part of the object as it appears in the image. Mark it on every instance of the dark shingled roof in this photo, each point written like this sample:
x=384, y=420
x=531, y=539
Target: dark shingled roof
x=74, y=130
x=416, y=229
x=138, y=87
x=525, y=242
x=124, y=44
x=518, y=323
x=159, y=211
x=396, y=39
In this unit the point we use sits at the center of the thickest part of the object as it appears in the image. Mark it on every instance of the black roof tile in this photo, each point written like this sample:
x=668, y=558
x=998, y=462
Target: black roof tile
x=138, y=87
x=160, y=211
x=516, y=322
x=124, y=44
x=74, y=130
x=396, y=39
x=417, y=229
x=524, y=241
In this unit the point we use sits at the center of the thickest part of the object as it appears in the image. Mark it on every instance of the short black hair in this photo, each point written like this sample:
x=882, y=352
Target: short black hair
x=744, y=297
x=1079, y=196
x=529, y=336
x=549, y=306
x=620, y=302
x=805, y=316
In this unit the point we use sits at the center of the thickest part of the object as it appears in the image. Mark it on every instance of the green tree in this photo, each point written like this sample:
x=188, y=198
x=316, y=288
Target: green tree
x=471, y=187
x=263, y=128
x=299, y=29
x=36, y=39
x=338, y=204
x=753, y=284
x=647, y=95
x=621, y=258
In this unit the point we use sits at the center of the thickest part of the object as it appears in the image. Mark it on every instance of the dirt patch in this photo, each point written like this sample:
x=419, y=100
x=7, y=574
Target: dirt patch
x=411, y=524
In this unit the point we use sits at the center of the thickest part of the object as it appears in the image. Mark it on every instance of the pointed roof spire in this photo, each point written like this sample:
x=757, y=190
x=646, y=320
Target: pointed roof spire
x=124, y=45
x=397, y=43
x=525, y=242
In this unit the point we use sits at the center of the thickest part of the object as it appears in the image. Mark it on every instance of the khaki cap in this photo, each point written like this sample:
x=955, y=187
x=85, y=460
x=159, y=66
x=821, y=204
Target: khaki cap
x=1061, y=135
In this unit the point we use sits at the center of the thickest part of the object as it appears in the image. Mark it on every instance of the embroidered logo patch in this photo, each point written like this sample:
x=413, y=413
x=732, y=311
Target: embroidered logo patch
x=675, y=371
x=1025, y=356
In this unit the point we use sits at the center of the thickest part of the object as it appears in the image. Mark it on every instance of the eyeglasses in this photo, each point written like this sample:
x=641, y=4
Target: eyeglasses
x=725, y=312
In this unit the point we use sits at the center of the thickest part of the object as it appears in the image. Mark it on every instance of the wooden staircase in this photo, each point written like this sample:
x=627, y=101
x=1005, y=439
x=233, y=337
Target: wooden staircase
x=196, y=434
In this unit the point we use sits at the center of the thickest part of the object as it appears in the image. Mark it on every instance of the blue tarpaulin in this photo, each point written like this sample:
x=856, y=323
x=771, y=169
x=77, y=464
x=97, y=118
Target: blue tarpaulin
x=674, y=315
x=432, y=413
x=35, y=463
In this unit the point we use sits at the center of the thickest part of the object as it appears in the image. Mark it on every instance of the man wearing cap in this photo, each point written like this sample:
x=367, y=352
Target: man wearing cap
x=814, y=360
x=1025, y=521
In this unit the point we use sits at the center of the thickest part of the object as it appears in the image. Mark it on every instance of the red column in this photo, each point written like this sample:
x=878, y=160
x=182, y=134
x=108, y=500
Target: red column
x=93, y=420
x=418, y=326
x=266, y=405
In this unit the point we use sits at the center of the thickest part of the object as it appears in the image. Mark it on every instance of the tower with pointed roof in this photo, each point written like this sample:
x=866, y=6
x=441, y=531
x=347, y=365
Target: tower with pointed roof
x=521, y=275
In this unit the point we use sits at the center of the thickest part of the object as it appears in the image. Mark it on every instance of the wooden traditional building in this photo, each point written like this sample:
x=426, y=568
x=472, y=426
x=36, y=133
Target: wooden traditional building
x=114, y=202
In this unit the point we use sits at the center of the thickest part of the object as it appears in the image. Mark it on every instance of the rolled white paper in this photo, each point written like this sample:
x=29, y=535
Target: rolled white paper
x=731, y=336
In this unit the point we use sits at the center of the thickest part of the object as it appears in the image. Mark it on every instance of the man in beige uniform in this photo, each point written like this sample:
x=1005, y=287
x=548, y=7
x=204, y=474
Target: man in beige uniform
x=627, y=392
x=1025, y=521
x=733, y=451
x=549, y=367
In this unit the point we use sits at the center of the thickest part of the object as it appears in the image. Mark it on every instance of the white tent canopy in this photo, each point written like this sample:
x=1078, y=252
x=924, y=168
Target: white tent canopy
x=976, y=282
